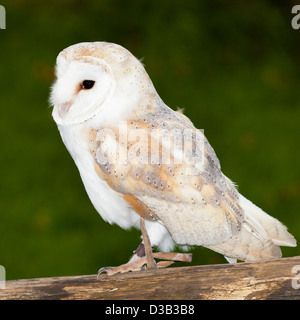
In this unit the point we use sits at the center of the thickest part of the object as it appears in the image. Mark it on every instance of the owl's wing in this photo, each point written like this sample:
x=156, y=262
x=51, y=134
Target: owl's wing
x=166, y=170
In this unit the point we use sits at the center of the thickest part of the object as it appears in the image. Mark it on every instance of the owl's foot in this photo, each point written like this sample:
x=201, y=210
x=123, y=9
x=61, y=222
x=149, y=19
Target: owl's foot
x=136, y=263
x=143, y=257
x=139, y=261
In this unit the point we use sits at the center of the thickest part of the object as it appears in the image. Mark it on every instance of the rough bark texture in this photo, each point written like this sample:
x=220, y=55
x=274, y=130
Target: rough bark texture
x=277, y=279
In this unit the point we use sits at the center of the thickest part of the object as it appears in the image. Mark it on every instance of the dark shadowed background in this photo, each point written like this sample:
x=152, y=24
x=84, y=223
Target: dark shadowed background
x=234, y=66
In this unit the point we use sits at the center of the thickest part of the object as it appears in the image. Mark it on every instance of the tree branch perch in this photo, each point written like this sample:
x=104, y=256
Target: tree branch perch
x=277, y=279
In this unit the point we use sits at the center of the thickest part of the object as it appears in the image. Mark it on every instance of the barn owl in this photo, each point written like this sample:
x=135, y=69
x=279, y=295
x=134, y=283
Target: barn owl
x=146, y=166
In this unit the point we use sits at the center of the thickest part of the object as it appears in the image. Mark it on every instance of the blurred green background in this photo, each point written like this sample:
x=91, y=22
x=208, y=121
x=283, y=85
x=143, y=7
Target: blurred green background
x=233, y=65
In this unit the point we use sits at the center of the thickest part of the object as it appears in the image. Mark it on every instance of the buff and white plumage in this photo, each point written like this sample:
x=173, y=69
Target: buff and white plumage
x=186, y=202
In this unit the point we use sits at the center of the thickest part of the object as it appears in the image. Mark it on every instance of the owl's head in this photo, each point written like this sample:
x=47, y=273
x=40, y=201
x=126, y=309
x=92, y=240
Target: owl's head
x=96, y=77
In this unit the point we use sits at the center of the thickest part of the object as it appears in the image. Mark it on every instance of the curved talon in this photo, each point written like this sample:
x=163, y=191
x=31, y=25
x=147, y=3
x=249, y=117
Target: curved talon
x=104, y=269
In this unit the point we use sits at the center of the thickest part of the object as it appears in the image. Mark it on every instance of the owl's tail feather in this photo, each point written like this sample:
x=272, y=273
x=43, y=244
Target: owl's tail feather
x=259, y=238
x=274, y=229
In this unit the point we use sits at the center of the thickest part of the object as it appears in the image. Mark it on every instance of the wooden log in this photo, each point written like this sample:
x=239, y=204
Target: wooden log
x=278, y=279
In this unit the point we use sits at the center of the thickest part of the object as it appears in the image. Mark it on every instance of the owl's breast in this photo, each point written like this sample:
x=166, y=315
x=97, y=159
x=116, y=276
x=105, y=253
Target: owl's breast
x=109, y=203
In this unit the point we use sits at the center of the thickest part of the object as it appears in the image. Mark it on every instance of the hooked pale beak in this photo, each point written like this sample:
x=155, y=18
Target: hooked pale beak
x=64, y=108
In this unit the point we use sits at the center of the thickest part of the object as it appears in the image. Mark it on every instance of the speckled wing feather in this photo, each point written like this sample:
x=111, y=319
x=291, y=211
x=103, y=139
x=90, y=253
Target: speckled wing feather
x=187, y=193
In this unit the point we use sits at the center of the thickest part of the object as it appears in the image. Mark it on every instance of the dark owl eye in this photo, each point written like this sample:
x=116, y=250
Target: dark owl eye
x=88, y=84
